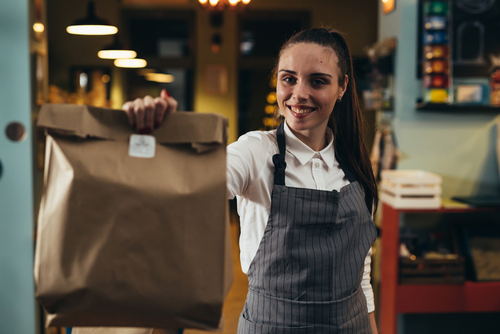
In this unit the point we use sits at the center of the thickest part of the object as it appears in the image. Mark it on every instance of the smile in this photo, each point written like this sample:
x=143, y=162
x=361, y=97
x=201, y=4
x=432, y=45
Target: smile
x=302, y=111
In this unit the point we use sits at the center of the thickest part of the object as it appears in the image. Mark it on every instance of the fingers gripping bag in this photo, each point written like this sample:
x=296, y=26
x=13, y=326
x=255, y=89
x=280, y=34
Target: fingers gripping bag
x=133, y=231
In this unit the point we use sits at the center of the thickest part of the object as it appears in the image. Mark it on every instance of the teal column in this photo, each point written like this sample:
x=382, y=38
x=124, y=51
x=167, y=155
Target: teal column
x=17, y=304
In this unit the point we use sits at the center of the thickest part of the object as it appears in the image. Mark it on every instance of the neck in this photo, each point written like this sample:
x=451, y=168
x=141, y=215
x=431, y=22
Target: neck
x=314, y=138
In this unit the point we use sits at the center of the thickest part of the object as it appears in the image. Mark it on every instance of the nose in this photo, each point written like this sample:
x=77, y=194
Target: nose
x=301, y=91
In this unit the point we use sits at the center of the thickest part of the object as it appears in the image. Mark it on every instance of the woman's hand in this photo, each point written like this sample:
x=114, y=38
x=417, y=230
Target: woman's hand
x=148, y=113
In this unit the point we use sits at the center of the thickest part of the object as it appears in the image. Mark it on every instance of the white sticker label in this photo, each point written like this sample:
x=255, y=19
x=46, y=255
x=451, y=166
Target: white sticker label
x=142, y=146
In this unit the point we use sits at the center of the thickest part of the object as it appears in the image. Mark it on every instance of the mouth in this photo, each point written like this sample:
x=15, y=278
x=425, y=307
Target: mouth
x=301, y=110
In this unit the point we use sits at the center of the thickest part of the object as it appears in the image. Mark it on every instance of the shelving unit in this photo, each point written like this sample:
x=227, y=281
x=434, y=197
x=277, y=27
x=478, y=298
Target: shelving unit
x=447, y=107
x=398, y=298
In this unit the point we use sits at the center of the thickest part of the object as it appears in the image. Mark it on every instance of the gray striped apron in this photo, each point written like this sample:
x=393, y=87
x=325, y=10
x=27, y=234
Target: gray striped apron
x=306, y=274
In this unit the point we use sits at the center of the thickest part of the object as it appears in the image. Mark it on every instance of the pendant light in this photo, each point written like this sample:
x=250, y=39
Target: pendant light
x=131, y=63
x=91, y=24
x=116, y=50
x=160, y=77
x=221, y=4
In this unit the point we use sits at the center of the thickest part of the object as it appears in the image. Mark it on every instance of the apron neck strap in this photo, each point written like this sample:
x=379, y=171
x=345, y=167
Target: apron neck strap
x=279, y=159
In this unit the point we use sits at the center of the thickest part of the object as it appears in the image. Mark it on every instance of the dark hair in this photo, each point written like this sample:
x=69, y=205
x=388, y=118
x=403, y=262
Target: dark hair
x=346, y=120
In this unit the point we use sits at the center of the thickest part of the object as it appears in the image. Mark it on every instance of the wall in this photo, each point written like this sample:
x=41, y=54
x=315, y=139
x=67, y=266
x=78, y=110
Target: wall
x=356, y=18
x=458, y=146
x=17, y=304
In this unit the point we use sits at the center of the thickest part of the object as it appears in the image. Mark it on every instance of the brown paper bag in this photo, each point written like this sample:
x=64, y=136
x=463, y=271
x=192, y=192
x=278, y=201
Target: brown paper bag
x=127, y=241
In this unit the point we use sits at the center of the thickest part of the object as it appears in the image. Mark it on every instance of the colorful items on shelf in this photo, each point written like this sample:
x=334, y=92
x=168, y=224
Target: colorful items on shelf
x=437, y=56
x=436, y=7
x=436, y=51
x=494, y=73
x=495, y=87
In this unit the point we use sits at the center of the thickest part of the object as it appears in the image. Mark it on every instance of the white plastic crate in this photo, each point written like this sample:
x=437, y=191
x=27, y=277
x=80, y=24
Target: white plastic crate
x=411, y=189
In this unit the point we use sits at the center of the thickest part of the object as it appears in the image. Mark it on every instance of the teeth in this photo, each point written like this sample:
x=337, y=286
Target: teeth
x=301, y=111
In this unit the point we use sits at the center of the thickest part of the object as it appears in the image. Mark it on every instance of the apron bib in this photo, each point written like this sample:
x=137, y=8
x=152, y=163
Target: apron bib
x=306, y=274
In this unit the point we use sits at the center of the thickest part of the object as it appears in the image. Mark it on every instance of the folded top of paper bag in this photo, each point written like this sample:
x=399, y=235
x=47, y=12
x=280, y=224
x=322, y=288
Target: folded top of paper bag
x=87, y=121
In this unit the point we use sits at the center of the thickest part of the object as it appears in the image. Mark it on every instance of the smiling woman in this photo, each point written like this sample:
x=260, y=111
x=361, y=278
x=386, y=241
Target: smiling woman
x=325, y=62
x=305, y=193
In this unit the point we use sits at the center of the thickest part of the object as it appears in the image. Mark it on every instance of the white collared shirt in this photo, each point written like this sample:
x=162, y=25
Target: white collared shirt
x=250, y=177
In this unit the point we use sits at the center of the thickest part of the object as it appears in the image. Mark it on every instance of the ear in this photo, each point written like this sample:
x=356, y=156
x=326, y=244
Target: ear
x=343, y=87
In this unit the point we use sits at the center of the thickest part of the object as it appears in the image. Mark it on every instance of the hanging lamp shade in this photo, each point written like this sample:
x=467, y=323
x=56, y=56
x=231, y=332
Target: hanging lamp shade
x=160, y=77
x=91, y=24
x=116, y=50
x=131, y=63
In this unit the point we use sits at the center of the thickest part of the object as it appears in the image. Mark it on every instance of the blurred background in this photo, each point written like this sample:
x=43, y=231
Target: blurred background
x=429, y=91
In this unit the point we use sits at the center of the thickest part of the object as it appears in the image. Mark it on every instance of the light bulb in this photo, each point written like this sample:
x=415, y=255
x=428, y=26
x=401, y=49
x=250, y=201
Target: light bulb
x=38, y=27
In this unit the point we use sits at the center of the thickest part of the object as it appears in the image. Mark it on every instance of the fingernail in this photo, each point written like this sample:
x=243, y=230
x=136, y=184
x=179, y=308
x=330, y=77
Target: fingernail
x=157, y=124
x=168, y=94
x=148, y=130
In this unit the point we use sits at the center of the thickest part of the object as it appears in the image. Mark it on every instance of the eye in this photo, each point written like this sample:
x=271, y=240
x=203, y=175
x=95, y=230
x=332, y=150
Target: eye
x=288, y=79
x=318, y=82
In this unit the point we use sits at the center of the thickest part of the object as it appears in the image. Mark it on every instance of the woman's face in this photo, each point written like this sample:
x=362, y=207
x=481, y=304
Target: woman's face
x=307, y=87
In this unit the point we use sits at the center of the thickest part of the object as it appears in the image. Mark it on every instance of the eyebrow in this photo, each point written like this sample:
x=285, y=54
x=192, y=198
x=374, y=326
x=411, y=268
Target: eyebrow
x=311, y=75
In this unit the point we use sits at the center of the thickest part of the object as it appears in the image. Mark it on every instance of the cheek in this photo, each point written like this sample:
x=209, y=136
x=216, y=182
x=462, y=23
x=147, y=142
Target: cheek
x=281, y=95
x=332, y=97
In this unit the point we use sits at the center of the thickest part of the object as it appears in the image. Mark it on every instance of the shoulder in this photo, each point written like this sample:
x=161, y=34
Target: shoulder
x=255, y=140
x=247, y=158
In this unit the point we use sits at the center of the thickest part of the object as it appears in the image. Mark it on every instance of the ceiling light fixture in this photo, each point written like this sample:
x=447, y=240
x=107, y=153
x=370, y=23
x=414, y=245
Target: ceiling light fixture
x=117, y=54
x=222, y=4
x=130, y=63
x=160, y=77
x=91, y=24
x=38, y=27
x=116, y=50
x=388, y=6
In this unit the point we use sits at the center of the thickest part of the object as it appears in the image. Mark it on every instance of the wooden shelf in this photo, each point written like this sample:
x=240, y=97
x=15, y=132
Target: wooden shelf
x=446, y=107
x=448, y=298
x=396, y=298
x=468, y=209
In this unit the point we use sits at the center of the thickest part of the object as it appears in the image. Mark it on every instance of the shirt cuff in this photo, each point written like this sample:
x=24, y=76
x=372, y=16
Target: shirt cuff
x=365, y=283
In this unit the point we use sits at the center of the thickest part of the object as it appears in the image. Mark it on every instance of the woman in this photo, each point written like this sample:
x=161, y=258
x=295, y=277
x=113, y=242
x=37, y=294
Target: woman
x=305, y=194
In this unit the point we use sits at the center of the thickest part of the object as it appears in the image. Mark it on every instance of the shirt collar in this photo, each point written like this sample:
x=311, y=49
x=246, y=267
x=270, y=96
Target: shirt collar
x=304, y=153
